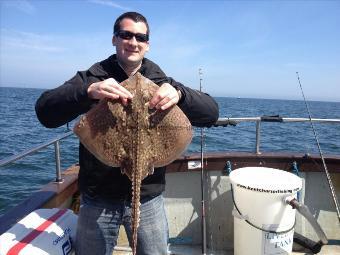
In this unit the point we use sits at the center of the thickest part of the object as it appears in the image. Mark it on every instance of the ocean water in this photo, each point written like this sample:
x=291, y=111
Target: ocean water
x=20, y=130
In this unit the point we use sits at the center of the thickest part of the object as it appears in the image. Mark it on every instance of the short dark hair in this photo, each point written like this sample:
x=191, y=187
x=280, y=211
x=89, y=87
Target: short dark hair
x=135, y=16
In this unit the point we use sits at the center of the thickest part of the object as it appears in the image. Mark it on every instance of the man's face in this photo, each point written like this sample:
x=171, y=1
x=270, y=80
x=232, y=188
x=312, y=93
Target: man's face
x=130, y=51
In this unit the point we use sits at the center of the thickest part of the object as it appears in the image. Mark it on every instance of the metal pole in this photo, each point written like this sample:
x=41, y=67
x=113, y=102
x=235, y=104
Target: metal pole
x=330, y=184
x=204, y=236
x=258, y=136
x=222, y=121
x=57, y=162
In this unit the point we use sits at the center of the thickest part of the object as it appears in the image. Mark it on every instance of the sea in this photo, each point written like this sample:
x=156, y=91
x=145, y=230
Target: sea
x=20, y=130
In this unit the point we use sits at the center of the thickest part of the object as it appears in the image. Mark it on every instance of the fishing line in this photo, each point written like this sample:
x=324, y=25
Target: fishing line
x=204, y=237
x=330, y=184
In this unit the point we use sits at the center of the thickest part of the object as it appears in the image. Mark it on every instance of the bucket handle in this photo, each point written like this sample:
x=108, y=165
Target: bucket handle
x=253, y=225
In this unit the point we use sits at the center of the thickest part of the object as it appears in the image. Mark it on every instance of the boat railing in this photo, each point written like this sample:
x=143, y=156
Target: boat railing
x=276, y=118
x=55, y=141
x=220, y=122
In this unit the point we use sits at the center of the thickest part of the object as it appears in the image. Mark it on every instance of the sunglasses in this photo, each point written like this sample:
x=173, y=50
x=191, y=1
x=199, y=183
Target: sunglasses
x=127, y=35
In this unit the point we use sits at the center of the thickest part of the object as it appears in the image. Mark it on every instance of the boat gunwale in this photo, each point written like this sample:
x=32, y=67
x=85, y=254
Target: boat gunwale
x=54, y=194
x=280, y=160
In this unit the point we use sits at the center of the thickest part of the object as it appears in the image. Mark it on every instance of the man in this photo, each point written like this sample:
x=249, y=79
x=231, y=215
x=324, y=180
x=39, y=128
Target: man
x=105, y=192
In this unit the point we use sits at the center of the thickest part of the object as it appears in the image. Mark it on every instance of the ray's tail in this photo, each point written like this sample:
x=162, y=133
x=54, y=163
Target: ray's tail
x=135, y=207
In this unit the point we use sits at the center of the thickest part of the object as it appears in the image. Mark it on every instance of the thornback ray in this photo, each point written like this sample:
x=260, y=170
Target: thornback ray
x=134, y=137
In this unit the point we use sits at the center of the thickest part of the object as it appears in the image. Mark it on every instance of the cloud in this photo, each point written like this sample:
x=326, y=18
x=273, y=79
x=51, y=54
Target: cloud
x=110, y=3
x=12, y=39
x=21, y=5
x=55, y=56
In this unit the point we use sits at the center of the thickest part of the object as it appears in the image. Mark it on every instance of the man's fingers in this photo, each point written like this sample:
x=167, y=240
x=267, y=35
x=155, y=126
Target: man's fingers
x=157, y=97
x=116, y=88
x=124, y=101
x=168, y=99
x=105, y=94
x=164, y=97
x=168, y=104
x=122, y=93
x=109, y=88
x=163, y=92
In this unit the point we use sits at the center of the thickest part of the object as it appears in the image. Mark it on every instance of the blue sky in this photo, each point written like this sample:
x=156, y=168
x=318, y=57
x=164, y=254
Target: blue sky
x=245, y=48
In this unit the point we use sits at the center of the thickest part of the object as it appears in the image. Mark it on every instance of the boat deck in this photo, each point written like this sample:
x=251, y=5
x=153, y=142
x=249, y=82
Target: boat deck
x=196, y=250
x=183, y=202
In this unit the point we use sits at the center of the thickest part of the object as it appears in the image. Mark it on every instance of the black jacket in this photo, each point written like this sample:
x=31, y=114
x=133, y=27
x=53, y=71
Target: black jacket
x=58, y=106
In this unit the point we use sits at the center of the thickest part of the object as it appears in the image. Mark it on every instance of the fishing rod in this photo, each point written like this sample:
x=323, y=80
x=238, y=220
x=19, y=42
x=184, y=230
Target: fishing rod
x=204, y=236
x=330, y=184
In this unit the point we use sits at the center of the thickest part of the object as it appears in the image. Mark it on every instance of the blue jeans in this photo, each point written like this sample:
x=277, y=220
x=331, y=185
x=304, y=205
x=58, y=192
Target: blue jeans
x=99, y=222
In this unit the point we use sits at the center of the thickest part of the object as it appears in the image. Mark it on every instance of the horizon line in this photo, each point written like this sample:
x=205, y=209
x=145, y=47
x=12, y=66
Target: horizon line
x=234, y=97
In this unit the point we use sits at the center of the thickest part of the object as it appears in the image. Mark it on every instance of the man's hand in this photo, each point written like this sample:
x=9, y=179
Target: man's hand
x=108, y=88
x=165, y=97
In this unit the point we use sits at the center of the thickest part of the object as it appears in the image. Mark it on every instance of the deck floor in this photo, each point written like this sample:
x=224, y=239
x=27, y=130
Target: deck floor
x=196, y=250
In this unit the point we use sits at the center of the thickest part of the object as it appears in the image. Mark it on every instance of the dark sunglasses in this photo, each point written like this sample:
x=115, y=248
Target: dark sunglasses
x=127, y=35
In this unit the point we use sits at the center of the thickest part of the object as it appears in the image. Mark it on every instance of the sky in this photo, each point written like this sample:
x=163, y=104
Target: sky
x=247, y=49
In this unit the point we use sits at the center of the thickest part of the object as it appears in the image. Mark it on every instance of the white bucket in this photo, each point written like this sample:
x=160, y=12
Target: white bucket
x=263, y=222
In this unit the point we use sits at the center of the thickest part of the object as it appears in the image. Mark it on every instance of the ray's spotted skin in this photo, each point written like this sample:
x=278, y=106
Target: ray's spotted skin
x=135, y=137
